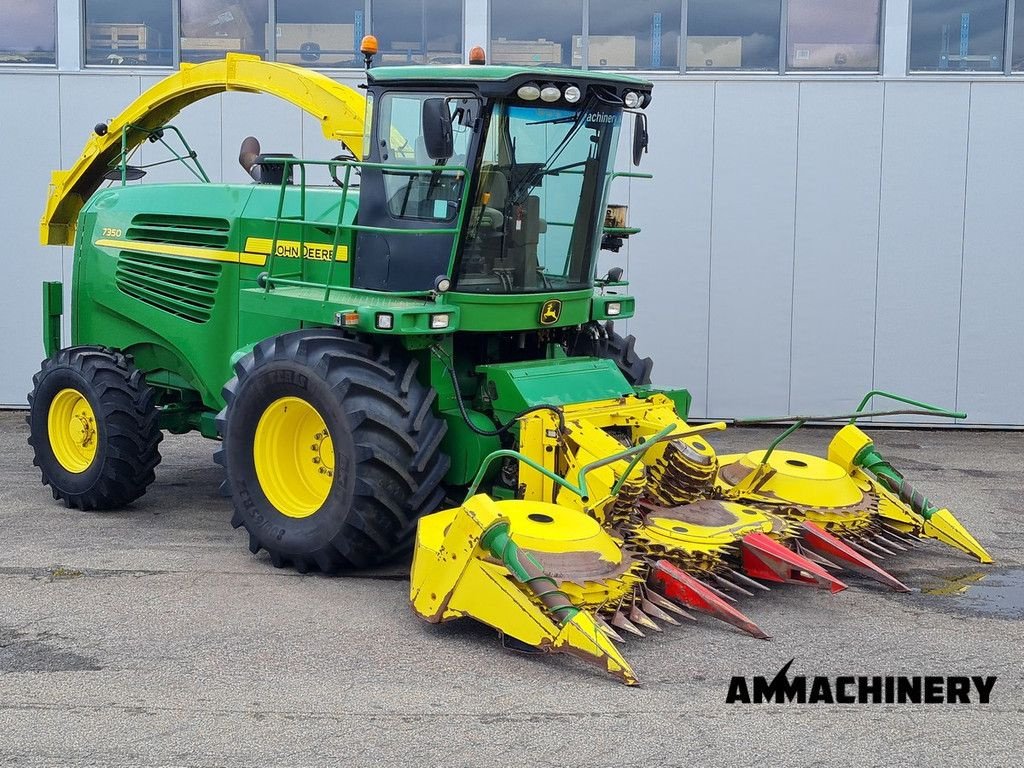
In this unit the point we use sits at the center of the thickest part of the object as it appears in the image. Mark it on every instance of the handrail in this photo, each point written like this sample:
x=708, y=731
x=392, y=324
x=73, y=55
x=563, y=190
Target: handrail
x=156, y=134
x=920, y=409
x=269, y=279
x=938, y=411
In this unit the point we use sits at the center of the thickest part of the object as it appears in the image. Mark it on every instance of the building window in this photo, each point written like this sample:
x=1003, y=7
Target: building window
x=834, y=35
x=643, y=34
x=957, y=35
x=28, y=34
x=1017, y=56
x=733, y=34
x=418, y=31
x=320, y=33
x=128, y=34
x=211, y=28
x=535, y=32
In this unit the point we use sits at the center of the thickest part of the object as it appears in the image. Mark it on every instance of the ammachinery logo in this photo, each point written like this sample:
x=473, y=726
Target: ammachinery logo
x=860, y=689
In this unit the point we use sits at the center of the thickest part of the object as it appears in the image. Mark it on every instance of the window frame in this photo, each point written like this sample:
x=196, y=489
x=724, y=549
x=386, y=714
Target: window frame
x=1007, y=51
x=782, y=70
x=83, y=45
x=368, y=4
x=13, y=65
x=270, y=45
x=784, y=49
x=584, y=33
x=65, y=56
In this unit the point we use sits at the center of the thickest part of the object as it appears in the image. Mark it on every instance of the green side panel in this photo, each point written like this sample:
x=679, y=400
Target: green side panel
x=518, y=312
x=465, y=447
x=53, y=309
x=514, y=387
x=626, y=307
x=178, y=315
x=406, y=317
x=159, y=270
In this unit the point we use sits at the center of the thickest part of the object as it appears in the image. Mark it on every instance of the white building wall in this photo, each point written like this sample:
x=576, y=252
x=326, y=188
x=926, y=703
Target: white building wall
x=805, y=238
x=860, y=234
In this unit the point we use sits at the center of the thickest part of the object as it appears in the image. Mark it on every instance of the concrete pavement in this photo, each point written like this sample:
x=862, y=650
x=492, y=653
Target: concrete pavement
x=151, y=637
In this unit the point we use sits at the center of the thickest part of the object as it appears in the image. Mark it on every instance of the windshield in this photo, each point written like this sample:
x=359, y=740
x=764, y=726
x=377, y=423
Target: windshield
x=535, y=225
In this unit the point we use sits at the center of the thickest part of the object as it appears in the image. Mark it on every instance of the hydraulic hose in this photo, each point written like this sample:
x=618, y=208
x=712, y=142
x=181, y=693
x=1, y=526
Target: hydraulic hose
x=504, y=427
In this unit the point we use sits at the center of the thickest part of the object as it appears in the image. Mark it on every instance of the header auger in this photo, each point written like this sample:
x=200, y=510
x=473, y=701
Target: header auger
x=422, y=321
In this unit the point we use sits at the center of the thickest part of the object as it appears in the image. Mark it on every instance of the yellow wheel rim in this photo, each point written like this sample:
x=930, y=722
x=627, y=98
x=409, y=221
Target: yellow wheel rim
x=71, y=425
x=294, y=457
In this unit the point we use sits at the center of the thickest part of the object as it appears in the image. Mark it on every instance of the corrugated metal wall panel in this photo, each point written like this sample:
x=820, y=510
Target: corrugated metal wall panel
x=670, y=264
x=991, y=363
x=836, y=245
x=31, y=150
x=924, y=166
x=753, y=210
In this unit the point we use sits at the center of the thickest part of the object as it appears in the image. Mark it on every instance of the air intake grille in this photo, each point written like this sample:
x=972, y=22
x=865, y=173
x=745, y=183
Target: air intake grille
x=202, y=231
x=183, y=287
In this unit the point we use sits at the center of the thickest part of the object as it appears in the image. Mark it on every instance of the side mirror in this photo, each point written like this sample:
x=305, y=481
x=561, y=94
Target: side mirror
x=437, y=129
x=640, y=137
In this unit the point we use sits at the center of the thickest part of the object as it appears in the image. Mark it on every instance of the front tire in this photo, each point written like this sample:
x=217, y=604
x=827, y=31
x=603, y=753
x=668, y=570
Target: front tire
x=331, y=450
x=93, y=427
x=597, y=341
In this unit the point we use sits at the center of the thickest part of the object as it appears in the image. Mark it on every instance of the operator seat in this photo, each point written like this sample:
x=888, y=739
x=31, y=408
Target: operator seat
x=253, y=162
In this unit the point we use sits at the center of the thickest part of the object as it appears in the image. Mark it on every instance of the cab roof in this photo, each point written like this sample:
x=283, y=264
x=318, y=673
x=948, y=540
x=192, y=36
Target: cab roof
x=473, y=73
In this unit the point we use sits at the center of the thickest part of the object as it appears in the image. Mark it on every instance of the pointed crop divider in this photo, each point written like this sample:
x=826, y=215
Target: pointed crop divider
x=680, y=586
x=802, y=550
x=902, y=536
x=665, y=604
x=640, y=618
x=818, y=540
x=874, y=546
x=607, y=629
x=764, y=558
x=730, y=585
x=619, y=621
x=655, y=612
x=861, y=549
x=890, y=543
x=747, y=580
x=717, y=592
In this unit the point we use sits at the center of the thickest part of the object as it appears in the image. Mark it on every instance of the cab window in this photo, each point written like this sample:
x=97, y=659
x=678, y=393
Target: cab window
x=432, y=190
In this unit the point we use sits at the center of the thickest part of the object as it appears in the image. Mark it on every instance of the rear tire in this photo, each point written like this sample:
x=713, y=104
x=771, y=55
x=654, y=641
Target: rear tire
x=597, y=341
x=93, y=427
x=331, y=450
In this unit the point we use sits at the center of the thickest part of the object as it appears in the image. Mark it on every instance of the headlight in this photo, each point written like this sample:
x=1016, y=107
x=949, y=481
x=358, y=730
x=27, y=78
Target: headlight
x=528, y=92
x=550, y=93
x=631, y=99
x=385, y=321
x=572, y=94
x=613, y=308
x=442, y=283
x=438, y=322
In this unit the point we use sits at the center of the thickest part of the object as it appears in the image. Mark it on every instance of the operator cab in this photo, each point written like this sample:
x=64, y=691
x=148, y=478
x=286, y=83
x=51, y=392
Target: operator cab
x=494, y=177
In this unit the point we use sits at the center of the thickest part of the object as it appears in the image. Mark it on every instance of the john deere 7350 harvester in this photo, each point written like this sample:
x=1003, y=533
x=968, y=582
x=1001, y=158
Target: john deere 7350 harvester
x=421, y=319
